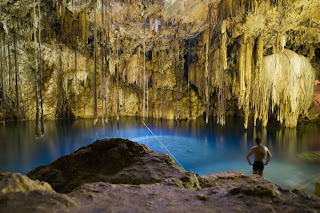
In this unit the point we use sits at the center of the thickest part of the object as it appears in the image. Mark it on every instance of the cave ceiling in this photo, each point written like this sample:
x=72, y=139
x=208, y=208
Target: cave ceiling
x=223, y=44
x=160, y=20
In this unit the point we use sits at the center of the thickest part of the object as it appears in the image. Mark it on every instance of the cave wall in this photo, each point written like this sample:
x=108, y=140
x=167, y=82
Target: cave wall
x=250, y=58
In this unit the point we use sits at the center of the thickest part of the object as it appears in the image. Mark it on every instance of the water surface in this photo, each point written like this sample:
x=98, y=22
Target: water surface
x=202, y=148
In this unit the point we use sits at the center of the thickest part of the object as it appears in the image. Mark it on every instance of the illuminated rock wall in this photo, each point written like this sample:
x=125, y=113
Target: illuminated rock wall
x=254, y=59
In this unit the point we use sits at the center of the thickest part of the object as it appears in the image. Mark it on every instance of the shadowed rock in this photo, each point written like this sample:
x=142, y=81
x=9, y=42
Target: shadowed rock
x=109, y=160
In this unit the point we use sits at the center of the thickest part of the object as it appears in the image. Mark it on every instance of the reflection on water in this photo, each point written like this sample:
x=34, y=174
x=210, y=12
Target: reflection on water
x=201, y=148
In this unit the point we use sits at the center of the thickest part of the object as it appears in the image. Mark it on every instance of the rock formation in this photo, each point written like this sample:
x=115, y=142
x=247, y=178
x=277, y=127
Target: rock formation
x=243, y=57
x=96, y=179
x=114, y=161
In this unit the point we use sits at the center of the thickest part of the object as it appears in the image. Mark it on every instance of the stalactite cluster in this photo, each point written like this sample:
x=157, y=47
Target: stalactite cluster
x=163, y=59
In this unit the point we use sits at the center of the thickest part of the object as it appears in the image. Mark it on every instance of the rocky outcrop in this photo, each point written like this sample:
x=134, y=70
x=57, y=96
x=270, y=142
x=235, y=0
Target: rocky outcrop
x=116, y=175
x=110, y=160
x=14, y=182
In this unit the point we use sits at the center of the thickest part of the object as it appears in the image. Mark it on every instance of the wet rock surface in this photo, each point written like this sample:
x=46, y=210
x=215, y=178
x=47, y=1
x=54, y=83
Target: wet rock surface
x=116, y=175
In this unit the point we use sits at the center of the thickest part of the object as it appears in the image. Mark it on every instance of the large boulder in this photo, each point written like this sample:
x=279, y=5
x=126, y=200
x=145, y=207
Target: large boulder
x=108, y=160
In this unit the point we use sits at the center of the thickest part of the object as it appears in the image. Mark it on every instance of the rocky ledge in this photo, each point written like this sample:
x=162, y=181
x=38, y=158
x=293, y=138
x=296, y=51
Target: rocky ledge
x=117, y=175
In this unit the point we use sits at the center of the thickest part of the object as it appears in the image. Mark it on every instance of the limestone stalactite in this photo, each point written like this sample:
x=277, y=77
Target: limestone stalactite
x=147, y=90
x=75, y=59
x=95, y=110
x=144, y=77
x=16, y=74
x=207, y=44
x=36, y=69
x=40, y=69
x=189, y=104
x=117, y=78
x=241, y=69
x=177, y=68
x=4, y=100
x=84, y=25
x=294, y=97
x=102, y=49
x=222, y=75
x=248, y=73
x=258, y=94
x=2, y=77
x=10, y=71
x=161, y=82
x=107, y=55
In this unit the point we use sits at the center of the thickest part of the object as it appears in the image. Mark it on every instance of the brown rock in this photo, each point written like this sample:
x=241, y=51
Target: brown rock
x=108, y=160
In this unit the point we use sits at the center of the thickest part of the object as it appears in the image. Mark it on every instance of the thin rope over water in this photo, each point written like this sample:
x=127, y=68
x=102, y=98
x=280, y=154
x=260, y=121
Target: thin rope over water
x=163, y=145
x=307, y=184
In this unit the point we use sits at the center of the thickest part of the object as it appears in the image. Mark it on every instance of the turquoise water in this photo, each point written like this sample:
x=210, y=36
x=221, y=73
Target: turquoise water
x=201, y=148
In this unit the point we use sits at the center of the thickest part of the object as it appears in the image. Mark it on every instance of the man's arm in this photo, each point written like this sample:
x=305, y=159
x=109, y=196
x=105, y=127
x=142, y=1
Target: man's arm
x=268, y=157
x=248, y=156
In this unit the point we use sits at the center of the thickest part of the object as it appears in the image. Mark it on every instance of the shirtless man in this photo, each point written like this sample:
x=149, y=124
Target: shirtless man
x=260, y=152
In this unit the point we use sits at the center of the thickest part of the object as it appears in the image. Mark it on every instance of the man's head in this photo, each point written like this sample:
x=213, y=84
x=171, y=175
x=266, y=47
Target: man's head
x=258, y=140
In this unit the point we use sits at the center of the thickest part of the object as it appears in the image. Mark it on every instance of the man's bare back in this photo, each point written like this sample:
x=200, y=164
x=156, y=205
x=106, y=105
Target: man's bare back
x=260, y=152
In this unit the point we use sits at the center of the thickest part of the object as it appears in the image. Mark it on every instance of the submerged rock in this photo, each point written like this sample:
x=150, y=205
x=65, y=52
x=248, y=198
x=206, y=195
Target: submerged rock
x=117, y=175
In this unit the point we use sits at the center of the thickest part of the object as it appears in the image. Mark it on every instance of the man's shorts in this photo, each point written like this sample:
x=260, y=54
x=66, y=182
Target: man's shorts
x=258, y=165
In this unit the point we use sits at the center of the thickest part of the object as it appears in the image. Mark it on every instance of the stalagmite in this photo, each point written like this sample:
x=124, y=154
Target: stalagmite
x=36, y=71
x=144, y=76
x=95, y=63
x=16, y=72
x=40, y=69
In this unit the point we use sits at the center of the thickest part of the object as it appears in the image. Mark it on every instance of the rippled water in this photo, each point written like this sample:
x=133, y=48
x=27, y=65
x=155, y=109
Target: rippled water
x=202, y=148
